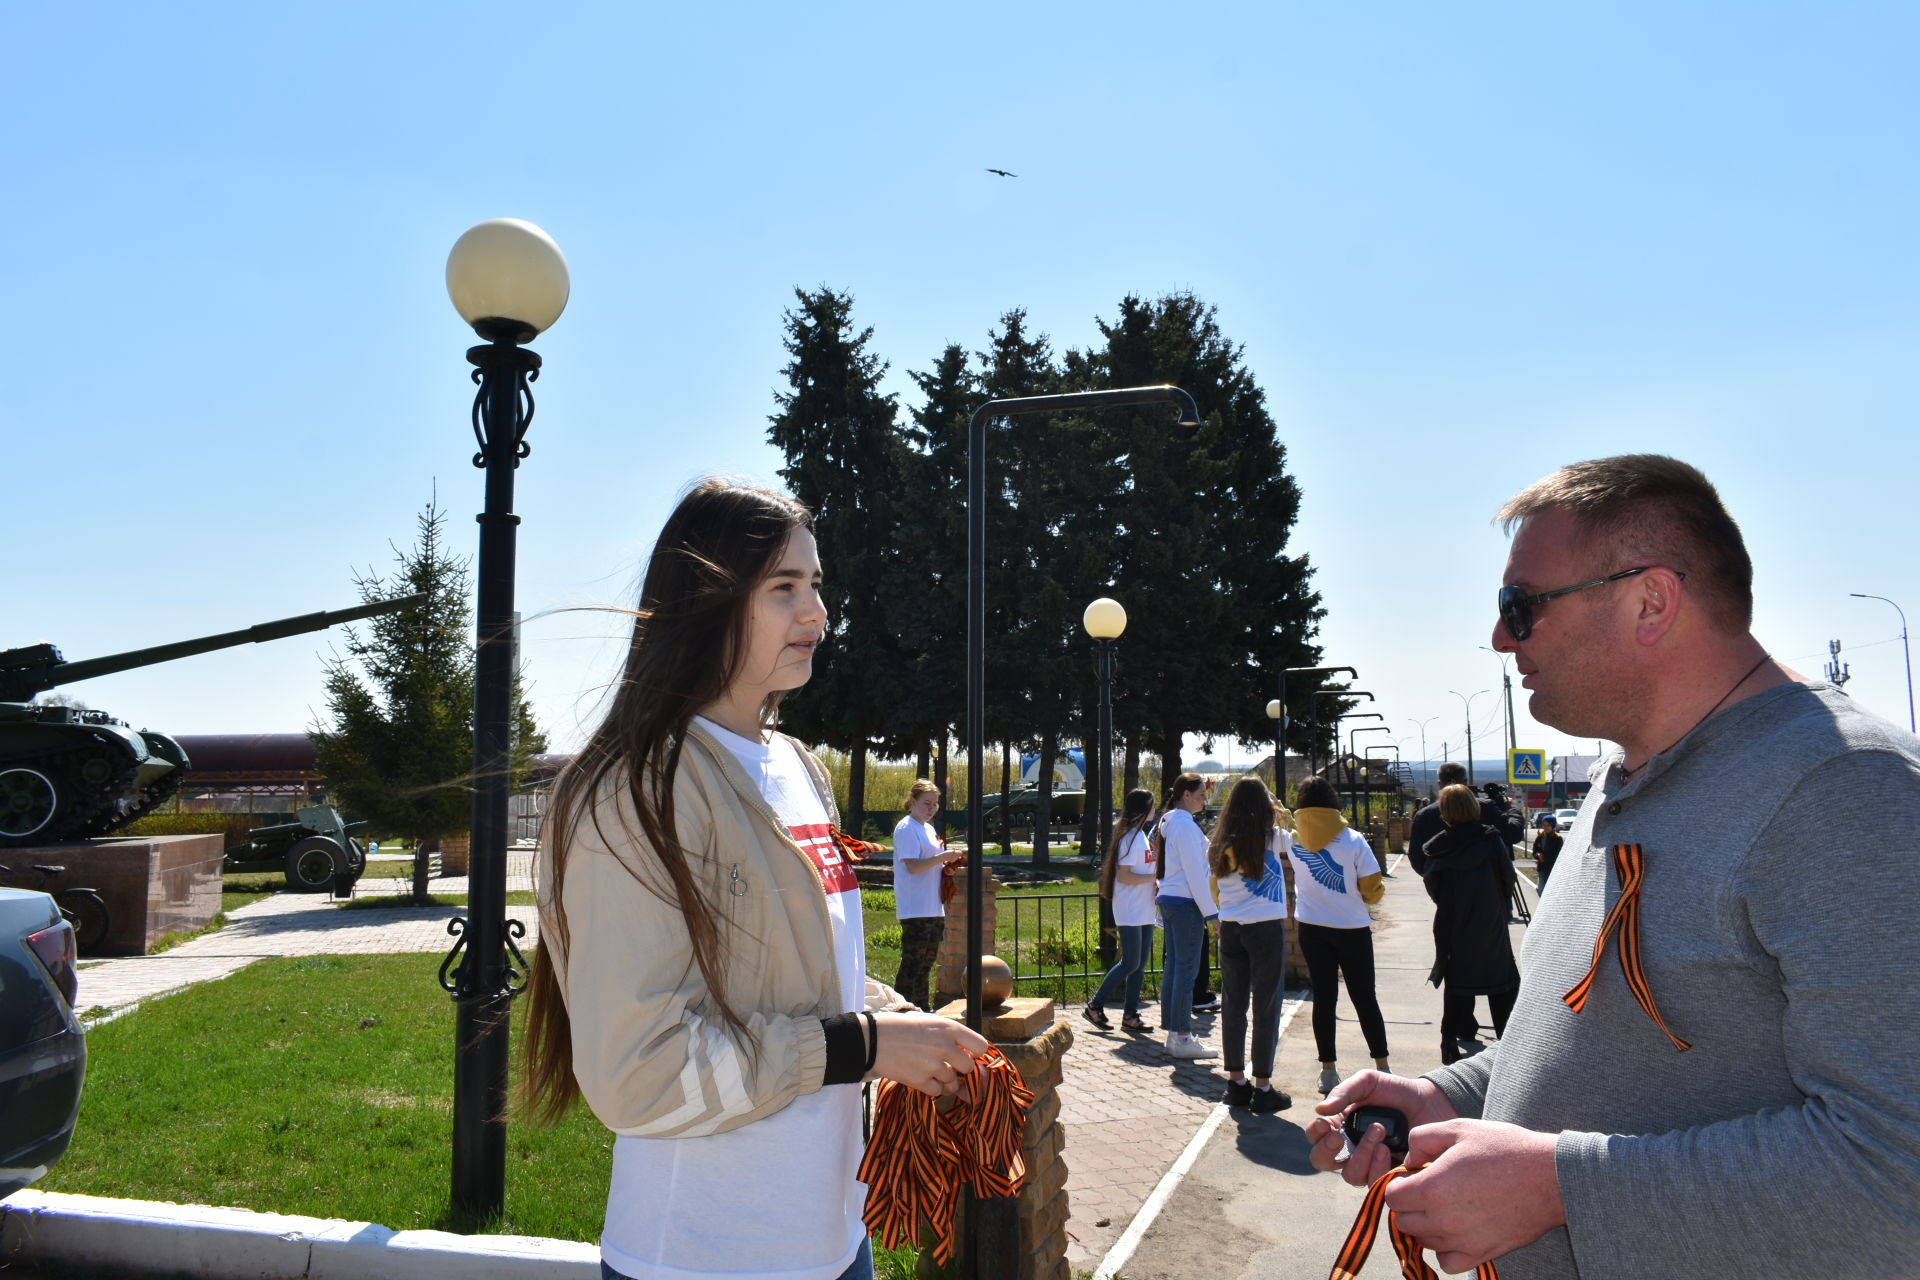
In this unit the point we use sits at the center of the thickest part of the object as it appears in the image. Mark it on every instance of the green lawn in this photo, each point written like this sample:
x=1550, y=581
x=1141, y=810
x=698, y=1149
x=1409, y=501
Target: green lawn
x=317, y=1086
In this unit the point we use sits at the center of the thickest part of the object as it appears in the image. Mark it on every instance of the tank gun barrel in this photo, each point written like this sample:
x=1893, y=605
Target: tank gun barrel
x=22, y=680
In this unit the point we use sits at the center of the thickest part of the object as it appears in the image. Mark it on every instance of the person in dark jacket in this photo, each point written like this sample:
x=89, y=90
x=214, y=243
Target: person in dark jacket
x=1546, y=847
x=1470, y=878
x=1494, y=811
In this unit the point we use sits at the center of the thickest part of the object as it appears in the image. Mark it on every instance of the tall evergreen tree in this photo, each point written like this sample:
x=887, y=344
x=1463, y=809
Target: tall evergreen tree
x=846, y=460
x=933, y=529
x=1201, y=522
x=398, y=748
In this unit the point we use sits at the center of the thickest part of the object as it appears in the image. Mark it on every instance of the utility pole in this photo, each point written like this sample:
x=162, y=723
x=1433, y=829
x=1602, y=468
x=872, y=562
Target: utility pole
x=1426, y=764
x=1466, y=701
x=1837, y=674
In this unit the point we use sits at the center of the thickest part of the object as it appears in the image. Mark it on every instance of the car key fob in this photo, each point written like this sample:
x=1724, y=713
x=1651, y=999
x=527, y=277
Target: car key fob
x=1360, y=1119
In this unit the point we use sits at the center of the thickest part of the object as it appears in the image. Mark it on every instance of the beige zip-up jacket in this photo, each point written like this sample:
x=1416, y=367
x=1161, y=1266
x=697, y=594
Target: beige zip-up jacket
x=651, y=1054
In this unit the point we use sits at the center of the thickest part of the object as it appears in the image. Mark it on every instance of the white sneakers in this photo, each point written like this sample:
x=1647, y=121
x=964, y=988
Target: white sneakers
x=1329, y=1078
x=1182, y=1044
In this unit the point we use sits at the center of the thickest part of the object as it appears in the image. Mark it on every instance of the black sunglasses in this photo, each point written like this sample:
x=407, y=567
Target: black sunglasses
x=1516, y=606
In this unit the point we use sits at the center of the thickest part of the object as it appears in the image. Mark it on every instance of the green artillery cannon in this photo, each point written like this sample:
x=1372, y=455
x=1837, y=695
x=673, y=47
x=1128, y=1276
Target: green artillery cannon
x=312, y=850
x=69, y=773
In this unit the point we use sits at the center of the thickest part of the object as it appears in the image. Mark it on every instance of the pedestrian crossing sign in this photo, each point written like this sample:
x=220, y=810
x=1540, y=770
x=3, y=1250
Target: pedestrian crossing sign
x=1525, y=765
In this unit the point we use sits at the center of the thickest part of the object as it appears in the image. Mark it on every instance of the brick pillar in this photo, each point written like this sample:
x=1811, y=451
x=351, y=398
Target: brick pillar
x=1040, y=1217
x=950, y=977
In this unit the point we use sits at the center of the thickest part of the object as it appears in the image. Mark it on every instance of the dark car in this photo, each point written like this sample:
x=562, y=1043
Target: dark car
x=43, y=1052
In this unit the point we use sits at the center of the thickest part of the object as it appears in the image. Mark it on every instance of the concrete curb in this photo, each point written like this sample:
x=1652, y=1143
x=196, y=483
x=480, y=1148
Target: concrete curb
x=143, y=1237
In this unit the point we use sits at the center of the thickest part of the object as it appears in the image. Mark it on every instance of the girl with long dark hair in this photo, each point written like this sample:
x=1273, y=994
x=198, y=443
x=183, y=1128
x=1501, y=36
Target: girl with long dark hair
x=701, y=979
x=1245, y=855
x=1186, y=904
x=1127, y=878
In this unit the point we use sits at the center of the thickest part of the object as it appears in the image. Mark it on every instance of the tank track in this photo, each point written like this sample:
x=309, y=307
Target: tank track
x=123, y=810
x=84, y=805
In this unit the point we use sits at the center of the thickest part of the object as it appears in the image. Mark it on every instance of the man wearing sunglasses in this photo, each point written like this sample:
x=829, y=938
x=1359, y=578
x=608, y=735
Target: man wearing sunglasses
x=1713, y=1067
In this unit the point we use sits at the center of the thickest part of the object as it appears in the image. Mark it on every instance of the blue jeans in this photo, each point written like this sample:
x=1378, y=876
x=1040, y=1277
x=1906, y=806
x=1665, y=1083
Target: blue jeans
x=1136, y=944
x=862, y=1268
x=1184, y=925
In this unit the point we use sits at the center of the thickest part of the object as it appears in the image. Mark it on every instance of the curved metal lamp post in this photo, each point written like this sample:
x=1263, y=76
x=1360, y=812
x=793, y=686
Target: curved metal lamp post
x=977, y=618
x=509, y=281
x=1903, y=648
x=1314, y=712
x=1466, y=705
x=991, y=1223
x=1105, y=619
x=1280, y=721
x=1353, y=794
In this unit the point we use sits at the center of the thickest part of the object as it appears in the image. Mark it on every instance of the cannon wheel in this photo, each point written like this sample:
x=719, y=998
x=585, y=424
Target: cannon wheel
x=310, y=864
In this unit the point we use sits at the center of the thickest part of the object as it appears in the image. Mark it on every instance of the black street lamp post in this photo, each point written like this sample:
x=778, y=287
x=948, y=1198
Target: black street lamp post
x=1353, y=802
x=994, y=1219
x=508, y=280
x=1105, y=619
x=1278, y=710
x=1314, y=714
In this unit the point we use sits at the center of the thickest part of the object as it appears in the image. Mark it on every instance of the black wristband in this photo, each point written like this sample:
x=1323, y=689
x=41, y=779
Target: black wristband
x=873, y=1043
x=846, y=1049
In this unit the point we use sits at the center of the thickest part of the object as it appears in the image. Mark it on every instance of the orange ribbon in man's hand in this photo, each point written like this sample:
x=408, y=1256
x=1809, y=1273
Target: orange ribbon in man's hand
x=1353, y=1254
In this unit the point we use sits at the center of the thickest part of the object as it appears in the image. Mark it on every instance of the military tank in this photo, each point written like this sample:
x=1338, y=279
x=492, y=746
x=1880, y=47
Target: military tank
x=71, y=773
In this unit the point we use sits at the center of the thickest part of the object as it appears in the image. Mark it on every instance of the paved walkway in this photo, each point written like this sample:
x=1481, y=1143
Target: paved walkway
x=1130, y=1111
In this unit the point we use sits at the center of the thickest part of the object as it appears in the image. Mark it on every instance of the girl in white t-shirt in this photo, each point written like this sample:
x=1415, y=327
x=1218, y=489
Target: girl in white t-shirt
x=1335, y=877
x=1127, y=877
x=700, y=977
x=919, y=861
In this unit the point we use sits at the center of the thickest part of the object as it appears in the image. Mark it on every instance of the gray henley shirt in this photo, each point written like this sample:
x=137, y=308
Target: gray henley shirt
x=1776, y=930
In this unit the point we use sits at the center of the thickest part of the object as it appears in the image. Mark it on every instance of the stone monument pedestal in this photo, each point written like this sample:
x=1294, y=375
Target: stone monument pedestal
x=152, y=885
x=1031, y=1228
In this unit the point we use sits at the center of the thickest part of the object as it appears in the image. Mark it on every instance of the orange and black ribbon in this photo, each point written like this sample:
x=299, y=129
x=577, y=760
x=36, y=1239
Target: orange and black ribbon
x=1353, y=1254
x=919, y=1156
x=852, y=847
x=1629, y=866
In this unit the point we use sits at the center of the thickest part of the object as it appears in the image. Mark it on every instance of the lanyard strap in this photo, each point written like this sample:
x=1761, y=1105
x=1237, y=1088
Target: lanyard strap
x=1629, y=867
x=919, y=1155
x=1353, y=1254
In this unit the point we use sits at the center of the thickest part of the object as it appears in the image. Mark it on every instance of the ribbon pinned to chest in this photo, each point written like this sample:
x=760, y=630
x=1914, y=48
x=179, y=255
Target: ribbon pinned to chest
x=1629, y=866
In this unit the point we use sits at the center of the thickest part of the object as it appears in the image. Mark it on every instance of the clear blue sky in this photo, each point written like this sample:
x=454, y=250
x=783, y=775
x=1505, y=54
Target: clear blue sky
x=1462, y=245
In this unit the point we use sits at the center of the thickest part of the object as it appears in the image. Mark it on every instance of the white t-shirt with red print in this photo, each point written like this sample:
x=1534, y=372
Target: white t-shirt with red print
x=673, y=1208
x=1133, y=903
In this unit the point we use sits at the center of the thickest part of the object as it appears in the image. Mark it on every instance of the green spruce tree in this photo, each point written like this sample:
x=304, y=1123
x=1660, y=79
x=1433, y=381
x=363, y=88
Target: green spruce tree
x=397, y=747
x=847, y=461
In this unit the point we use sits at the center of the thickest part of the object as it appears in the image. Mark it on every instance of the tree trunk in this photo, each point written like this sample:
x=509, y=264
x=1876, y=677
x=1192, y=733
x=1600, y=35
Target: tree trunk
x=1169, y=753
x=943, y=780
x=855, y=816
x=1132, y=765
x=1006, y=797
x=922, y=764
x=423, y=850
x=1043, y=803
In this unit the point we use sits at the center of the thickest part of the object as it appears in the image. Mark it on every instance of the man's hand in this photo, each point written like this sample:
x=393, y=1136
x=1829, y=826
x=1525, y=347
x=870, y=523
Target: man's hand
x=1480, y=1189
x=1419, y=1100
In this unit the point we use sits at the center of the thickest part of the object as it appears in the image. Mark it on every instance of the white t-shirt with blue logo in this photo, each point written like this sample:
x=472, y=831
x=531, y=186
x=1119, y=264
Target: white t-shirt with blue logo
x=1326, y=882
x=1248, y=899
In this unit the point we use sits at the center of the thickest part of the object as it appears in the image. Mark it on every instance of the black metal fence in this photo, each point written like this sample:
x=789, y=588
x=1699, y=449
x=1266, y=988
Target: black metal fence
x=1051, y=941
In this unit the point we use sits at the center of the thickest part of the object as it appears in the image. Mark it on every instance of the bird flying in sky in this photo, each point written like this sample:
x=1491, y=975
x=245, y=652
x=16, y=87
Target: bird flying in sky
x=1003, y=173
